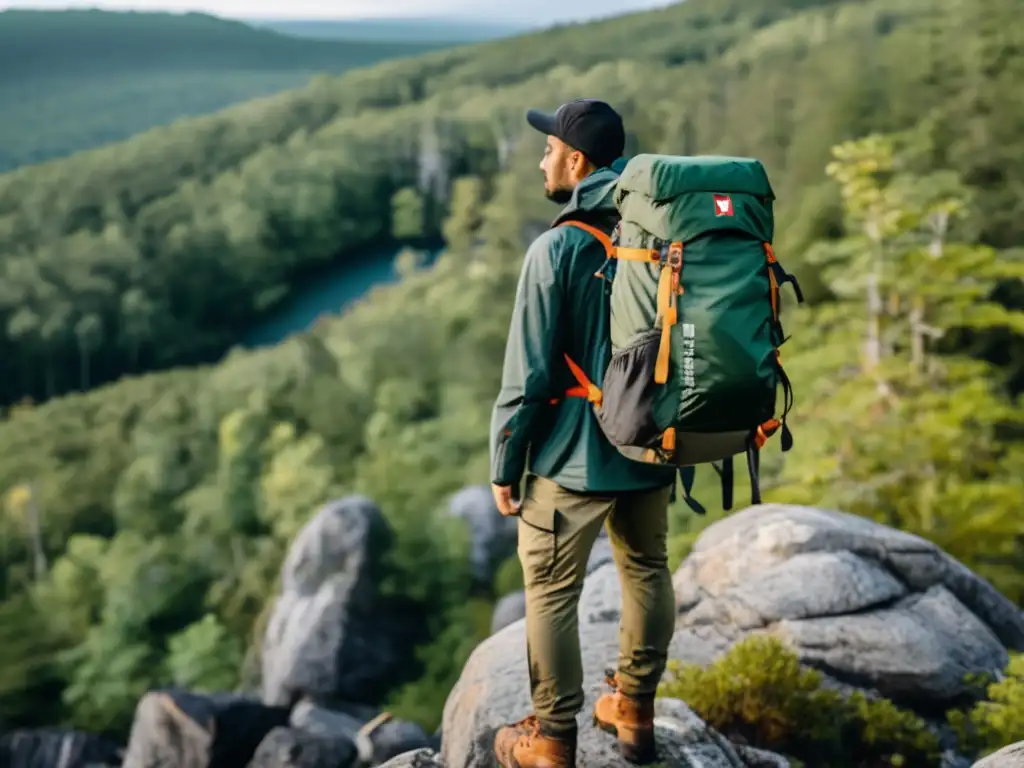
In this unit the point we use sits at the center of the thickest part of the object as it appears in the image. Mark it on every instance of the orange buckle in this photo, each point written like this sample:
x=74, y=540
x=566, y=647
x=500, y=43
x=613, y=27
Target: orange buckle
x=765, y=431
x=668, y=440
x=675, y=255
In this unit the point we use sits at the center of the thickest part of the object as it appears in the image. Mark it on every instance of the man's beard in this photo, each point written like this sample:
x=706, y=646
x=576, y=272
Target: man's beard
x=560, y=195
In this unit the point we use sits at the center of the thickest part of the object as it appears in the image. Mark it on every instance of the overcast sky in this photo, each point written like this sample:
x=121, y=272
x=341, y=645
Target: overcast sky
x=520, y=10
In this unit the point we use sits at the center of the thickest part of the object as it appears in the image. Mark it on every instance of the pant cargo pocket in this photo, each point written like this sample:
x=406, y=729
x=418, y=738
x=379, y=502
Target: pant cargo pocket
x=538, y=542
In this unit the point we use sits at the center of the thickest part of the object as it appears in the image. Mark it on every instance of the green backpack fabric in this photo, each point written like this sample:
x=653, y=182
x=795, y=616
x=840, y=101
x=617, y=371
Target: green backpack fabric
x=695, y=328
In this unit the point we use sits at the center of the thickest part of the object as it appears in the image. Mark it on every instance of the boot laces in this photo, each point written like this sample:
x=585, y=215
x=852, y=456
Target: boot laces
x=611, y=679
x=530, y=729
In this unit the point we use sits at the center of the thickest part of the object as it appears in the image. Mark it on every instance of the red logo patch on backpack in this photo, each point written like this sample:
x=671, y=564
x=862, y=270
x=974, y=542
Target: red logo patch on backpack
x=723, y=205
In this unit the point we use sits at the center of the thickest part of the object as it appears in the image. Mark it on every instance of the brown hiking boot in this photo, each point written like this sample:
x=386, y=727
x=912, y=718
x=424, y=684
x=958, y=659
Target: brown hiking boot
x=522, y=745
x=630, y=720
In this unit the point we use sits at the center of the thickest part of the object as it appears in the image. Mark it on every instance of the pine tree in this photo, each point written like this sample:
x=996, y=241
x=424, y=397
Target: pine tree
x=906, y=433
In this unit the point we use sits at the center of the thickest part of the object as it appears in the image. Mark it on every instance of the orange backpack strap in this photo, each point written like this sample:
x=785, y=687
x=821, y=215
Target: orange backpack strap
x=668, y=288
x=613, y=251
x=585, y=388
x=600, y=236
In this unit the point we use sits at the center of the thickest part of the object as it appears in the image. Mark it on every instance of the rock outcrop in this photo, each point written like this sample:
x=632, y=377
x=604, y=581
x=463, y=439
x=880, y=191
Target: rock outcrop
x=1007, y=757
x=420, y=758
x=509, y=609
x=492, y=536
x=57, y=748
x=189, y=730
x=290, y=748
x=176, y=729
x=868, y=605
x=375, y=739
x=330, y=636
x=684, y=741
x=493, y=687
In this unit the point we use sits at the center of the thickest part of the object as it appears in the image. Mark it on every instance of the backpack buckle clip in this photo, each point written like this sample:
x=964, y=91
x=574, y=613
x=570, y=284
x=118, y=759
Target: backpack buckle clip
x=674, y=259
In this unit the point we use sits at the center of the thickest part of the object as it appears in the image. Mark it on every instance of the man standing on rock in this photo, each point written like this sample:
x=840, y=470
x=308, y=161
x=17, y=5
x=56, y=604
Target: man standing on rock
x=576, y=481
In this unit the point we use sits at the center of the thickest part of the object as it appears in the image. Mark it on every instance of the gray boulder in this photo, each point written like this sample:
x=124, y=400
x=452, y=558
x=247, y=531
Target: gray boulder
x=601, y=553
x=686, y=741
x=330, y=636
x=375, y=739
x=871, y=606
x=420, y=758
x=190, y=730
x=1007, y=757
x=509, y=609
x=492, y=535
x=291, y=748
x=57, y=748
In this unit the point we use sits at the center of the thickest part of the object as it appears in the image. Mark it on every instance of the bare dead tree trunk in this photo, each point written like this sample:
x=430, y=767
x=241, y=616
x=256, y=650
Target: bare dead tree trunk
x=504, y=139
x=938, y=224
x=873, y=299
x=875, y=308
x=35, y=527
x=917, y=334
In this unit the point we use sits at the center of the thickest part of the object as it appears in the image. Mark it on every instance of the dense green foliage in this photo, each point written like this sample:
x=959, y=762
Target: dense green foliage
x=998, y=720
x=71, y=80
x=758, y=693
x=926, y=442
x=144, y=522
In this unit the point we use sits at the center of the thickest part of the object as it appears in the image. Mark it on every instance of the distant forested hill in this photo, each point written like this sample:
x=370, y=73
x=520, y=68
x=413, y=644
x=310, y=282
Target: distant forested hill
x=71, y=80
x=418, y=30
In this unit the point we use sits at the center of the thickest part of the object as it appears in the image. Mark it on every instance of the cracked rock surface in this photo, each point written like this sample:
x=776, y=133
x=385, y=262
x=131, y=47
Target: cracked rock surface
x=869, y=605
x=1007, y=757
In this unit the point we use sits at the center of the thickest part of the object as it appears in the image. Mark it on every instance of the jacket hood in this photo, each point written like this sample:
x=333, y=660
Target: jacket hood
x=593, y=196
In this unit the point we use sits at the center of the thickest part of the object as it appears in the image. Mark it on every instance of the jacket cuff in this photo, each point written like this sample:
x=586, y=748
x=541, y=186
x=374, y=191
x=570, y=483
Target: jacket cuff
x=507, y=463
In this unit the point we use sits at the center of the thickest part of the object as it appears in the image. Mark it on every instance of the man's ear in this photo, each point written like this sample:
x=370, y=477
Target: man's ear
x=581, y=165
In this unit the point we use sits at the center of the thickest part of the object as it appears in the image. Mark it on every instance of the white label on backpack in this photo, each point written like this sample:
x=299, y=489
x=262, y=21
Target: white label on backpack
x=689, y=344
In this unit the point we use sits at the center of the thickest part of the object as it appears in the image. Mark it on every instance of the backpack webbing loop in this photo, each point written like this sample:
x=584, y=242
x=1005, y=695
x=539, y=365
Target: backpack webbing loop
x=669, y=289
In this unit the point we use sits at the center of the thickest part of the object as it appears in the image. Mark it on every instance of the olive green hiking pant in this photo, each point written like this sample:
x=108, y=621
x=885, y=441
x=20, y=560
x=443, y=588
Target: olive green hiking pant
x=557, y=530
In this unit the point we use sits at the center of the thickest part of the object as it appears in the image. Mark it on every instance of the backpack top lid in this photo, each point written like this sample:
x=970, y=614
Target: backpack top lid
x=663, y=177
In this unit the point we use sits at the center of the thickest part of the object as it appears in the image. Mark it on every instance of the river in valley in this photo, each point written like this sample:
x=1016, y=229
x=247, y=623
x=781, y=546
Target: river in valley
x=327, y=293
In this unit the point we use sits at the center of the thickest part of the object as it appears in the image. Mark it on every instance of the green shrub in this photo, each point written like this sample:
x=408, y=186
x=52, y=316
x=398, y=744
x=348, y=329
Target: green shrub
x=998, y=721
x=679, y=547
x=422, y=700
x=509, y=577
x=760, y=694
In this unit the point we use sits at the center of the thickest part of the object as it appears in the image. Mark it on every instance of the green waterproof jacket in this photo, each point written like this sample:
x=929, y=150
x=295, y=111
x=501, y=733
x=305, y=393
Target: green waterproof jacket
x=562, y=307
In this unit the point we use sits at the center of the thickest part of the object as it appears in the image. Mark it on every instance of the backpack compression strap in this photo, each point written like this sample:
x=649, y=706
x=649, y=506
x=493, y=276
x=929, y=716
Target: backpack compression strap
x=670, y=287
x=777, y=277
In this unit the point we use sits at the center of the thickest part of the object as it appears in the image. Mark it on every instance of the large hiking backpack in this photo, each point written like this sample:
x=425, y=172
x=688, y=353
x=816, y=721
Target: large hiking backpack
x=695, y=329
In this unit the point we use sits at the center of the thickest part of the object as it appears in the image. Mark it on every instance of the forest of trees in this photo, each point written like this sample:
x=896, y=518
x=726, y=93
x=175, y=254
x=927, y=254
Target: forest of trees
x=435, y=29
x=72, y=80
x=886, y=130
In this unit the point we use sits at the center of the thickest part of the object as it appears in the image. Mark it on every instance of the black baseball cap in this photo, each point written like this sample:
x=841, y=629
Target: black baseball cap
x=588, y=125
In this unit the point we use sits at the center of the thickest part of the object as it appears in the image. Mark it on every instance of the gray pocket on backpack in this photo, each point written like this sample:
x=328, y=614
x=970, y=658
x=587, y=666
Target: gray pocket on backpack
x=627, y=404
